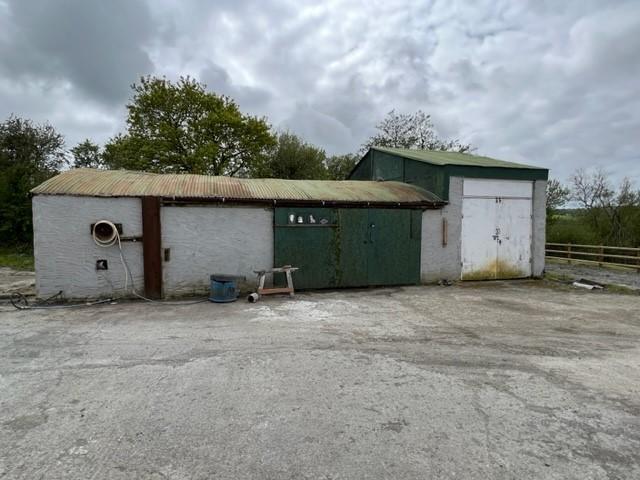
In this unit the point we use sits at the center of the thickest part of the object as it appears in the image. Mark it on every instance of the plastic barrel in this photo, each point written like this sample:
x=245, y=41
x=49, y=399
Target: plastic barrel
x=224, y=288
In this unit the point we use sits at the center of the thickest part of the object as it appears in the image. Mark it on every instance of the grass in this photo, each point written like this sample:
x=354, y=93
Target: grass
x=621, y=289
x=558, y=277
x=18, y=258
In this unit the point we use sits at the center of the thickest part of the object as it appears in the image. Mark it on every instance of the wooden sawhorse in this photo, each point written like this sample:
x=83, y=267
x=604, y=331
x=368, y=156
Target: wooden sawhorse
x=287, y=270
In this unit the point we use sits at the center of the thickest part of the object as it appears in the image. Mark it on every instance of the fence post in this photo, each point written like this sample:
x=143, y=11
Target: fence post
x=638, y=263
x=601, y=257
x=569, y=253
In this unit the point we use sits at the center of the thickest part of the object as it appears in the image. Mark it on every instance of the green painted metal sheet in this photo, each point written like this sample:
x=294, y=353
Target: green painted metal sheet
x=430, y=177
x=312, y=247
x=362, y=170
x=386, y=167
x=352, y=235
x=393, y=253
x=496, y=172
x=350, y=247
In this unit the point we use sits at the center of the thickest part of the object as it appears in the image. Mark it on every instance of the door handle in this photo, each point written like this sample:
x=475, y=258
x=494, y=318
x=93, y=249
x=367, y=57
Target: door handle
x=371, y=227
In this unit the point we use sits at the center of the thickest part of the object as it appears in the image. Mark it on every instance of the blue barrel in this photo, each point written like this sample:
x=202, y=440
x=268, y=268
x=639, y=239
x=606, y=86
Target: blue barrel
x=224, y=288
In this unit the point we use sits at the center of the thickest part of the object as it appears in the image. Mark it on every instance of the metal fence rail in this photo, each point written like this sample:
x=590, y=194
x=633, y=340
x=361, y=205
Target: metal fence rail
x=628, y=257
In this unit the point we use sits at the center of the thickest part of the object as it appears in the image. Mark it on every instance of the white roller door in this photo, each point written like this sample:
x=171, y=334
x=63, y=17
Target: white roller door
x=496, y=229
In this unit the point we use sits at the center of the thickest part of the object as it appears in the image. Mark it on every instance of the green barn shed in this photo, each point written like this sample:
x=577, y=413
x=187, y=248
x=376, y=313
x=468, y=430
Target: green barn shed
x=493, y=225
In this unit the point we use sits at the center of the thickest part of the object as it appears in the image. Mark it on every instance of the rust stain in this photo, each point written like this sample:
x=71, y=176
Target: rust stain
x=495, y=270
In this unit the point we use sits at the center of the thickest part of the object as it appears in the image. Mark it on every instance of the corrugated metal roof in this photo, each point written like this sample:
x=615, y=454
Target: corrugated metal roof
x=453, y=158
x=123, y=183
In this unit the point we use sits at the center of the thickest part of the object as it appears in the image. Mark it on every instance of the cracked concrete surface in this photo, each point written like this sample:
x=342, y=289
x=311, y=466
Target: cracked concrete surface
x=493, y=380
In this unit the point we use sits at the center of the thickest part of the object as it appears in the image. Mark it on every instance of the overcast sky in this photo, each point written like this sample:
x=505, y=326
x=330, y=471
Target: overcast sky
x=551, y=83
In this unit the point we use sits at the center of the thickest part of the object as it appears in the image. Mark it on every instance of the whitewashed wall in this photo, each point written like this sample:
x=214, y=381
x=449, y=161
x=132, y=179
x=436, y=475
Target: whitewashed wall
x=214, y=239
x=65, y=254
x=439, y=262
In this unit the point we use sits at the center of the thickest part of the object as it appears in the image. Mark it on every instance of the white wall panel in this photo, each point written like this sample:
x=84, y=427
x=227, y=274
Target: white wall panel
x=214, y=239
x=438, y=261
x=487, y=187
x=479, y=243
x=514, y=238
x=65, y=254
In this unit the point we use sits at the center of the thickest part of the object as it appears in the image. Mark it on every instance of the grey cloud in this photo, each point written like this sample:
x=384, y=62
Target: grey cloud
x=546, y=82
x=251, y=99
x=319, y=128
x=97, y=46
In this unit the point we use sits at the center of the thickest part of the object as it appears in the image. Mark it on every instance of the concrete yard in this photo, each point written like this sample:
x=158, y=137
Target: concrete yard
x=491, y=380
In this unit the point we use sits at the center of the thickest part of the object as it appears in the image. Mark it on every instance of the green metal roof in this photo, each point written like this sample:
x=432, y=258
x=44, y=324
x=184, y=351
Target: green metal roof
x=124, y=183
x=452, y=158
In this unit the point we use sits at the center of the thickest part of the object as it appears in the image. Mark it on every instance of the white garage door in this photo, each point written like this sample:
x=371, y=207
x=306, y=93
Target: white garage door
x=496, y=229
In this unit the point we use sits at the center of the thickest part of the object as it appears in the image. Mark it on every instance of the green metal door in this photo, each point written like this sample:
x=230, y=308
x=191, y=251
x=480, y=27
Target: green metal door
x=349, y=247
x=352, y=238
x=393, y=253
x=307, y=238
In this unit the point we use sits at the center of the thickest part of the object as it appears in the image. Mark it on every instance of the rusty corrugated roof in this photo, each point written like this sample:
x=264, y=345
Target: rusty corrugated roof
x=123, y=183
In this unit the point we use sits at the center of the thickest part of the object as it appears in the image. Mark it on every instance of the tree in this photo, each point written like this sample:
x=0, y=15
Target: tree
x=339, y=166
x=557, y=196
x=293, y=158
x=87, y=154
x=612, y=212
x=415, y=131
x=29, y=155
x=182, y=128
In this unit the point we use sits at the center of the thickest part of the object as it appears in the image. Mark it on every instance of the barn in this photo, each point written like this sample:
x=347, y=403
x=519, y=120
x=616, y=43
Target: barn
x=403, y=218
x=493, y=224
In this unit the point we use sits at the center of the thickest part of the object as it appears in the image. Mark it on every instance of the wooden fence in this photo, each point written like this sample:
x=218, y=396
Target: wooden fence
x=627, y=257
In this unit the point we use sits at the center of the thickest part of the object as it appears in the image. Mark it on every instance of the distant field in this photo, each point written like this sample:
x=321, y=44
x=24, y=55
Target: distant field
x=18, y=258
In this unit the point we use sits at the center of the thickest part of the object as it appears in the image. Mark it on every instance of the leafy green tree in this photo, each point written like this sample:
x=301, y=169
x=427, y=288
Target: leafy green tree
x=29, y=155
x=415, y=130
x=87, y=154
x=182, y=128
x=339, y=166
x=293, y=158
x=557, y=196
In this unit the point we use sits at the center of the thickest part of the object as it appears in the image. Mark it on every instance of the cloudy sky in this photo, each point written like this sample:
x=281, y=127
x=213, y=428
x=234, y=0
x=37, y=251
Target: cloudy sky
x=551, y=83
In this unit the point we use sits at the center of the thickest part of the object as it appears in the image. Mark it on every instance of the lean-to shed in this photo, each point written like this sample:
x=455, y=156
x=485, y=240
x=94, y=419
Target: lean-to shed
x=177, y=230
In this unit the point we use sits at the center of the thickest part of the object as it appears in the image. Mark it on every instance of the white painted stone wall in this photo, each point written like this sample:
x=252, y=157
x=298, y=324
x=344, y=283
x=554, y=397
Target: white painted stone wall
x=539, y=227
x=439, y=262
x=214, y=239
x=65, y=254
